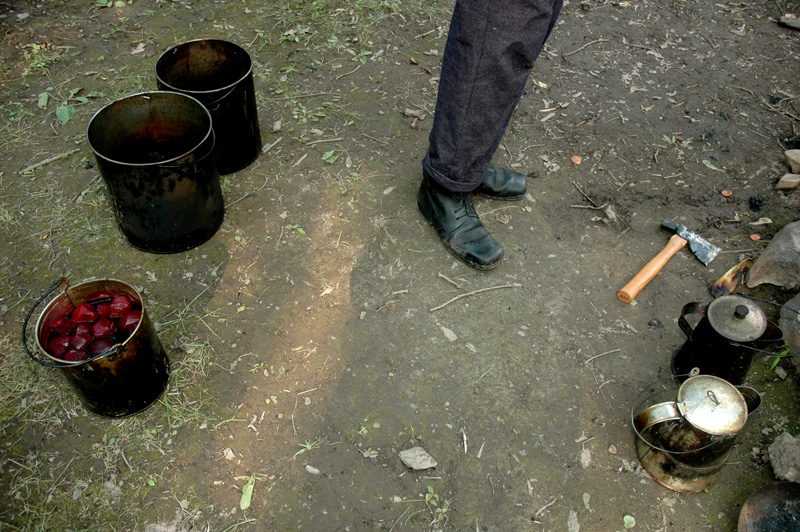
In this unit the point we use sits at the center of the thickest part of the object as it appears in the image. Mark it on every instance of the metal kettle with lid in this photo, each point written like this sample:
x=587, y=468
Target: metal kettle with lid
x=731, y=330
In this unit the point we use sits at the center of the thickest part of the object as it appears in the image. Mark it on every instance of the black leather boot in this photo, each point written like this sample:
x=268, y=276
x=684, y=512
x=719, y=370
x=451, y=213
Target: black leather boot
x=503, y=184
x=461, y=230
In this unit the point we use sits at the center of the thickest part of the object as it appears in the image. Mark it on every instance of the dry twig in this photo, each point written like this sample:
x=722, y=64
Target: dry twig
x=513, y=285
x=48, y=161
x=600, y=355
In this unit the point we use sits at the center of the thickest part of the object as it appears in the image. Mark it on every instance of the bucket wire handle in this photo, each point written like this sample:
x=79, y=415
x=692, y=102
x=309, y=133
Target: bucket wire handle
x=219, y=100
x=196, y=161
x=60, y=281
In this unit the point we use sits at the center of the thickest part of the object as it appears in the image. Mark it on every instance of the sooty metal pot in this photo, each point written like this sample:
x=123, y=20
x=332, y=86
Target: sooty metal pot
x=684, y=437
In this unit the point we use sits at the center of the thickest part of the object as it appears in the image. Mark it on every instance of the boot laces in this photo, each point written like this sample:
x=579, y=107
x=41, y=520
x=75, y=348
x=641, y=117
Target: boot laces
x=465, y=207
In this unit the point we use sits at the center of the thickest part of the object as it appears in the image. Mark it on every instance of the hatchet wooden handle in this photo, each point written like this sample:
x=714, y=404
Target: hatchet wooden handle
x=650, y=270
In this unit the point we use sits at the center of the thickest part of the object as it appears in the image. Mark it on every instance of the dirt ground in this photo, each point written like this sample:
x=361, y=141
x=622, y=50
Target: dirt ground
x=306, y=352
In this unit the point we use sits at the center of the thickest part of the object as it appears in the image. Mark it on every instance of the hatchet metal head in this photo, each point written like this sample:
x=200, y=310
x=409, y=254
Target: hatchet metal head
x=702, y=248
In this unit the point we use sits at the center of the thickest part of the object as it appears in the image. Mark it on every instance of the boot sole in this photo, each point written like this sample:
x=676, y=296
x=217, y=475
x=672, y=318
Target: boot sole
x=503, y=198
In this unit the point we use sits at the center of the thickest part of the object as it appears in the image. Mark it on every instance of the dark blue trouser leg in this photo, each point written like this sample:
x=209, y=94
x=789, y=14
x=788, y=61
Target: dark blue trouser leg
x=489, y=54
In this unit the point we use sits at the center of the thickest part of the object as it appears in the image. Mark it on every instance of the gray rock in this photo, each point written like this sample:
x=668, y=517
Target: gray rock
x=780, y=262
x=793, y=160
x=784, y=453
x=789, y=323
x=417, y=458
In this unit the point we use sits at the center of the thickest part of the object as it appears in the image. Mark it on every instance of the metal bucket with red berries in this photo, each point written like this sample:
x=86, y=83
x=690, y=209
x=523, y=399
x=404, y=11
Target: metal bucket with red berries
x=99, y=335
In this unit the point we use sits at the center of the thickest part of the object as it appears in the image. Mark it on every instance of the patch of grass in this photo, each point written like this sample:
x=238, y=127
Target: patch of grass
x=30, y=394
x=39, y=56
x=70, y=485
x=308, y=445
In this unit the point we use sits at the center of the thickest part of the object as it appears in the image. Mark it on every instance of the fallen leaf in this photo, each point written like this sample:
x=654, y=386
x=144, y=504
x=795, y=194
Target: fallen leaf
x=629, y=521
x=64, y=113
x=247, y=493
x=708, y=164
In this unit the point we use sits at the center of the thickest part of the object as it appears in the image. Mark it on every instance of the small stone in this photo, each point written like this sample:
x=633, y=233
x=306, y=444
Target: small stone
x=586, y=458
x=788, y=182
x=450, y=335
x=572, y=522
x=227, y=453
x=781, y=373
x=417, y=459
x=793, y=160
x=313, y=470
x=276, y=126
x=784, y=454
x=612, y=449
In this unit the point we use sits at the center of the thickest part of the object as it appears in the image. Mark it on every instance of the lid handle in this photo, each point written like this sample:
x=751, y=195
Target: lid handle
x=711, y=395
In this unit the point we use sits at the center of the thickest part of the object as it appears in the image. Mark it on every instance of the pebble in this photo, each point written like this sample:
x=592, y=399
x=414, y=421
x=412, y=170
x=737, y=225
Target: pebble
x=417, y=459
x=450, y=335
x=793, y=160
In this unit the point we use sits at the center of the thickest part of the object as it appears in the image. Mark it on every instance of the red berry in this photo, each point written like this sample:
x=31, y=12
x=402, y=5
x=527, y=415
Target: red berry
x=130, y=320
x=103, y=309
x=79, y=341
x=74, y=355
x=58, y=346
x=100, y=345
x=84, y=313
x=104, y=327
x=119, y=306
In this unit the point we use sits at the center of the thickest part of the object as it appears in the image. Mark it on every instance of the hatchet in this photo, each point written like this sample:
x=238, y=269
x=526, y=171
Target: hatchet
x=702, y=248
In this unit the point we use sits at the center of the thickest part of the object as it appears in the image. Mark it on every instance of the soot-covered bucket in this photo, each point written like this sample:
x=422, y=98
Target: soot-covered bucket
x=99, y=335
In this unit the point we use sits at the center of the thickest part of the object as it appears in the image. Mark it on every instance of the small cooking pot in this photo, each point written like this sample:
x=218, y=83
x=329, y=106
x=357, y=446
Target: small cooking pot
x=684, y=442
x=731, y=331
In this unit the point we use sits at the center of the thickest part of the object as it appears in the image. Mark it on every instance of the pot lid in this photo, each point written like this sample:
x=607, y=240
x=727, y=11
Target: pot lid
x=737, y=318
x=712, y=405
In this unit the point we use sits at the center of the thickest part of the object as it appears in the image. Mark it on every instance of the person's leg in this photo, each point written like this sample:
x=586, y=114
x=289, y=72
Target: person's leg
x=490, y=50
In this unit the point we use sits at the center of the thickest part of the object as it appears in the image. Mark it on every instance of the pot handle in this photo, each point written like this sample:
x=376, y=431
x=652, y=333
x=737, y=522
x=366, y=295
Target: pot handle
x=690, y=308
x=656, y=414
x=59, y=282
